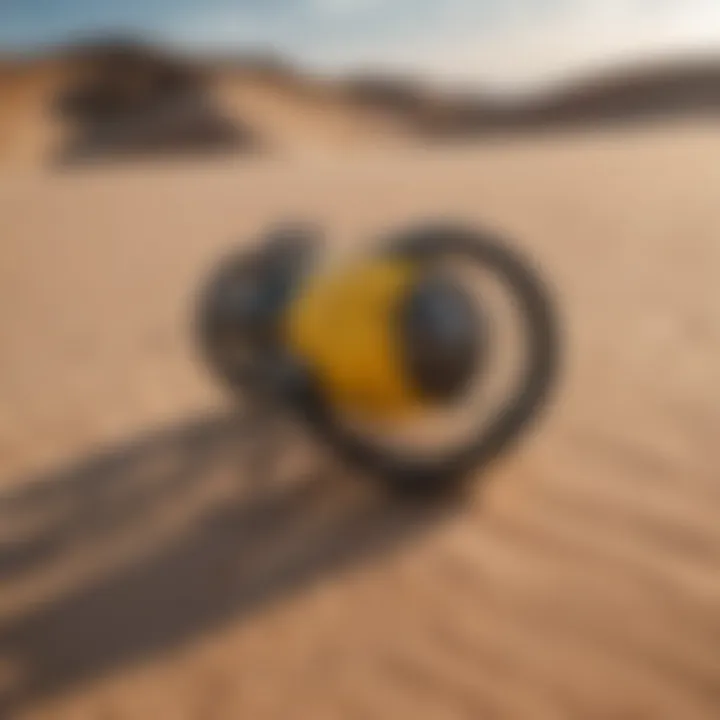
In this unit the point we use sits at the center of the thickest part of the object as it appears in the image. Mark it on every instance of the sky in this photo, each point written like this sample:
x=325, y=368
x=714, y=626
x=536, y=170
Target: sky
x=502, y=42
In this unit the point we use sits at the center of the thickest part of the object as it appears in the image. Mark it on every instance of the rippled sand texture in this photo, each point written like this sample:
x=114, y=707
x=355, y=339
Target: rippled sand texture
x=161, y=558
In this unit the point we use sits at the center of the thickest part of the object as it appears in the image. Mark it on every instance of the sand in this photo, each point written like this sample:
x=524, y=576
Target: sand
x=161, y=557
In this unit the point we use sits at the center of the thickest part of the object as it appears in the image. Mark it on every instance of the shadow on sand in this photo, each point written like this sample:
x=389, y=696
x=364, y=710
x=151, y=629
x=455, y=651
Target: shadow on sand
x=245, y=531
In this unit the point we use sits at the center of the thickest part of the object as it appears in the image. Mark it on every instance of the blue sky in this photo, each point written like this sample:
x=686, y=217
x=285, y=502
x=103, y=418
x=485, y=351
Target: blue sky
x=510, y=41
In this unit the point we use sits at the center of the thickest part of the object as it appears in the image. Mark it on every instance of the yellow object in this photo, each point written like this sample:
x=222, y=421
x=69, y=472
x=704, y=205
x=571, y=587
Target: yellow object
x=343, y=326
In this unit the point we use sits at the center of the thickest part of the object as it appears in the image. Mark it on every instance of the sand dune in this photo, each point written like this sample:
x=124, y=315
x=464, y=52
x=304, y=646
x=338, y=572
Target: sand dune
x=27, y=132
x=283, y=114
x=159, y=558
x=283, y=111
x=162, y=556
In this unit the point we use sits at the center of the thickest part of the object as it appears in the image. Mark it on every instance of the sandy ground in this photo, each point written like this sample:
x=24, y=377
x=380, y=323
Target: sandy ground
x=161, y=557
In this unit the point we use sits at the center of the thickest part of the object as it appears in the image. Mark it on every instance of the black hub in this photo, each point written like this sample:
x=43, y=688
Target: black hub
x=442, y=338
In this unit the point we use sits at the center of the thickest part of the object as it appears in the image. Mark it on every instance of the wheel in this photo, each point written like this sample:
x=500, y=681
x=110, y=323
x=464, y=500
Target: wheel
x=404, y=471
x=241, y=305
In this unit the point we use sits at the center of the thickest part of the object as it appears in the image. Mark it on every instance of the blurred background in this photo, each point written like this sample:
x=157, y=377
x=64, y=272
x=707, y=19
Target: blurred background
x=166, y=554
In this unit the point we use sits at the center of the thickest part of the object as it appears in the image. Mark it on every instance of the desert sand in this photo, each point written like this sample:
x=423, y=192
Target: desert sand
x=162, y=556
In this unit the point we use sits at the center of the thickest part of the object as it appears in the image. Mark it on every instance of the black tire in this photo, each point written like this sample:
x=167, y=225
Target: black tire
x=238, y=338
x=214, y=333
x=407, y=474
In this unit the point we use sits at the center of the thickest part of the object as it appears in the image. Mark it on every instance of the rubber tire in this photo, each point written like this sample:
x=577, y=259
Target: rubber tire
x=405, y=474
x=276, y=265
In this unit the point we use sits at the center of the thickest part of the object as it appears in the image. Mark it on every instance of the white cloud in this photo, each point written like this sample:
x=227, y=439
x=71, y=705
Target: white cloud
x=512, y=43
x=533, y=46
x=344, y=6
